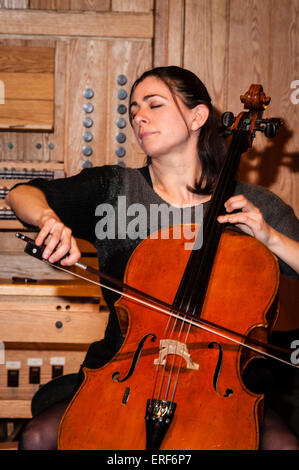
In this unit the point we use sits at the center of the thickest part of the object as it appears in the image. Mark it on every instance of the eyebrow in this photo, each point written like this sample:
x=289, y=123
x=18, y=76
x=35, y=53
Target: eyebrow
x=146, y=98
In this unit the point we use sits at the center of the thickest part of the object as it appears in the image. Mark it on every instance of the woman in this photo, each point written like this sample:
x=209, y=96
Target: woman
x=174, y=123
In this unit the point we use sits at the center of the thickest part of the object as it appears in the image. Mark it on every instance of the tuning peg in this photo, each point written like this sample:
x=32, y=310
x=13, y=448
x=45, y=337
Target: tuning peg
x=270, y=130
x=268, y=126
x=228, y=119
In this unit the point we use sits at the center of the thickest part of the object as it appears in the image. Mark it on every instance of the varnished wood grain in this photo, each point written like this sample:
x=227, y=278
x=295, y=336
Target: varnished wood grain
x=14, y=3
x=27, y=115
x=87, y=68
x=107, y=24
x=28, y=77
x=132, y=5
x=23, y=59
x=28, y=86
x=169, y=37
x=271, y=49
x=206, y=45
x=135, y=59
x=267, y=55
x=20, y=146
x=15, y=409
x=93, y=5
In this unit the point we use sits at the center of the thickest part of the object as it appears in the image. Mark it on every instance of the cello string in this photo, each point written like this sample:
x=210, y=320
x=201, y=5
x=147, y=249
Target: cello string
x=162, y=367
x=174, y=354
x=169, y=352
x=223, y=191
x=200, y=263
x=141, y=294
x=179, y=368
x=176, y=382
x=203, y=261
x=172, y=314
x=188, y=326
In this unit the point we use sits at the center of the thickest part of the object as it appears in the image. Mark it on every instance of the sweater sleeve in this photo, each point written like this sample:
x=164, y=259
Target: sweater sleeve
x=74, y=199
x=276, y=213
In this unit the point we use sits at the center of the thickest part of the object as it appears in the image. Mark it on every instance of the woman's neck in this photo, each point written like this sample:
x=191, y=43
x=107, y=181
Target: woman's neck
x=171, y=182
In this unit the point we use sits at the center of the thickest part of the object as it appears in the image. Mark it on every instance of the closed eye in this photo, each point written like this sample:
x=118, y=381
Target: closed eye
x=152, y=106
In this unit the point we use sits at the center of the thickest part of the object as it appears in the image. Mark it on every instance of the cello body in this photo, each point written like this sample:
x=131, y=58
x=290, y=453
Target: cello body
x=181, y=364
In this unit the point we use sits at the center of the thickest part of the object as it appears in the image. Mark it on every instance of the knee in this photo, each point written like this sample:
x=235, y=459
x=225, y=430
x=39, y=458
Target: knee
x=289, y=443
x=276, y=435
x=33, y=438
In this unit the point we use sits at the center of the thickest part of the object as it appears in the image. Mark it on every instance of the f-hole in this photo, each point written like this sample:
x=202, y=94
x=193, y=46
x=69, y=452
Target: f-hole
x=218, y=367
x=115, y=375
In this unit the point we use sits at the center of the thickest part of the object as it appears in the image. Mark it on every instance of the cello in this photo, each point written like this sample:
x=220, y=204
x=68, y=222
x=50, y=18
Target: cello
x=176, y=382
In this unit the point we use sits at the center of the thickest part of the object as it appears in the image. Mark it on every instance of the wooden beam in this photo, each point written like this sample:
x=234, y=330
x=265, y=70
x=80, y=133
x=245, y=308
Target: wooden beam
x=31, y=114
x=90, y=24
x=98, y=5
x=27, y=59
x=76, y=288
x=15, y=409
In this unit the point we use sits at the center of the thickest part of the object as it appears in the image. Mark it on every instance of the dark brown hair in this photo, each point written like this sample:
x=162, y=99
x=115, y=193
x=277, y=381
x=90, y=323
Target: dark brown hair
x=210, y=145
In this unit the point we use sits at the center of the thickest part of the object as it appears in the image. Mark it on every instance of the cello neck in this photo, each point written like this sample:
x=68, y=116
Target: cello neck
x=192, y=290
x=191, y=293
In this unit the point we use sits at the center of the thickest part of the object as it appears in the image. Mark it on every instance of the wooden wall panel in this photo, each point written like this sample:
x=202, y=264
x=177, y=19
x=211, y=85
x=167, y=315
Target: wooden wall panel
x=169, y=32
x=55, y=146
x=28, y=77
x=86, y=5
x=268, y=54
x=14, y=3
x=96, y=64
x=206, y=45
x=30, y=146
x=87, y=68
x=231, y=47
x=132, y=5
x=57, y=141
x=81, y=5
x=232, y=44
x=131, y=59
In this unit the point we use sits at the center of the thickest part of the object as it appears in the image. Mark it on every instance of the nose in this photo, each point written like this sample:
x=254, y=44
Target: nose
x=141, y=117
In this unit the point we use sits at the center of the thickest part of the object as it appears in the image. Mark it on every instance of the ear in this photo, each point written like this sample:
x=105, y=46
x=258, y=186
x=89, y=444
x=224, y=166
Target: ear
x=200, y=115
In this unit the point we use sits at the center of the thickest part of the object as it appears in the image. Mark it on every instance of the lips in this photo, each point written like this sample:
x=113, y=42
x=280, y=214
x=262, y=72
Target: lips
x=145, y=135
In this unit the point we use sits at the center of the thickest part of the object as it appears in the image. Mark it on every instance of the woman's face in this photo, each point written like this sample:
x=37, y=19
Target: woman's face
x=158, y=124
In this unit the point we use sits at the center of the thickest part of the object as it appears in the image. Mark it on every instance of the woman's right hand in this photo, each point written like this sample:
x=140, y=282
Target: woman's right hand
x=60, y=244
x=31, y=206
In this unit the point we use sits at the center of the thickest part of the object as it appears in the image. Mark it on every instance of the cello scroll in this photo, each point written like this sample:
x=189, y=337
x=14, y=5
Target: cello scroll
x=251, y=121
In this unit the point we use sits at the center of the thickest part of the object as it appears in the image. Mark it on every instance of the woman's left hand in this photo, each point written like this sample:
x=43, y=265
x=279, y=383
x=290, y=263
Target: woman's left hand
x=250, y=219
